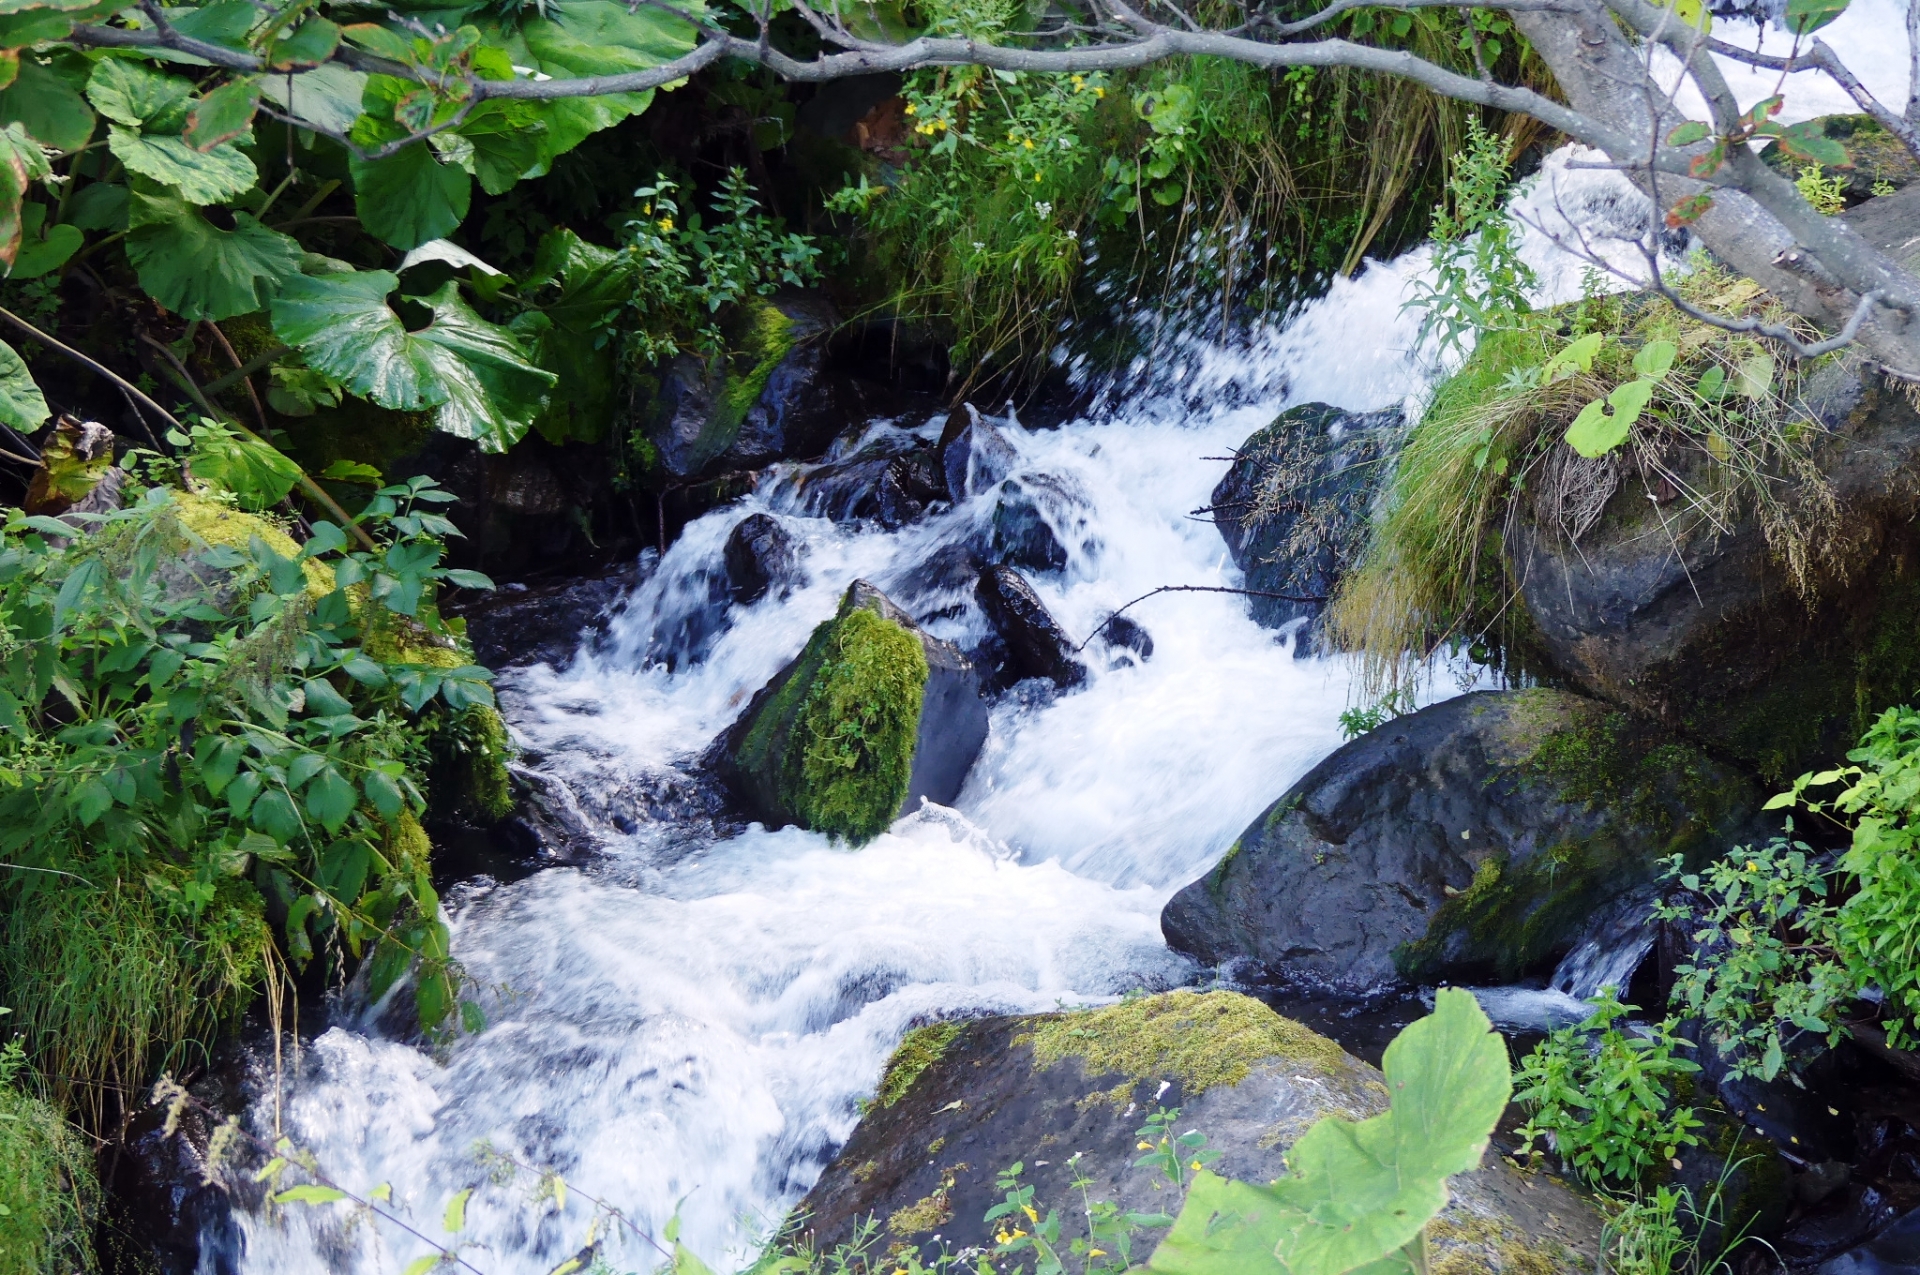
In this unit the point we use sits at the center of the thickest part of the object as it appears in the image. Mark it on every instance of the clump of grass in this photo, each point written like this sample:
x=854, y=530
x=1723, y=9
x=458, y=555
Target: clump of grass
x=47, y=1184
x=1488, y=448
x=105, y=984
x=918, y=1050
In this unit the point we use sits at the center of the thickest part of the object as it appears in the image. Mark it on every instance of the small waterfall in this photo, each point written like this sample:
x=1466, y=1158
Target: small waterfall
x=687, y=1025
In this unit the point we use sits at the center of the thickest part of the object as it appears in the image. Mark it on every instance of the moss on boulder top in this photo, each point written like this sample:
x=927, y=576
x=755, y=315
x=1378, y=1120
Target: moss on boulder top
x=840, y=741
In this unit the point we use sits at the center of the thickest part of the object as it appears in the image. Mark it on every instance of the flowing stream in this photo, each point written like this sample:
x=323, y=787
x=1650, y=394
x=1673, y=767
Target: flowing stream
x=688, y=1024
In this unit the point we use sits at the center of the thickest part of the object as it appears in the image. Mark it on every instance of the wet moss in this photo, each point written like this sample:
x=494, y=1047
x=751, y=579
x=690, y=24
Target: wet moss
x=837, y=737
x=918, y=1050
x=1468, y=1244
x=1200, y=1039
x=921, y=1216
x=224, y=526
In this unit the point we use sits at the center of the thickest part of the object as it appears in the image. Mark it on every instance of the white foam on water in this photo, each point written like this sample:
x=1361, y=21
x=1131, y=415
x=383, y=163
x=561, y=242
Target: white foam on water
x=695, y=1035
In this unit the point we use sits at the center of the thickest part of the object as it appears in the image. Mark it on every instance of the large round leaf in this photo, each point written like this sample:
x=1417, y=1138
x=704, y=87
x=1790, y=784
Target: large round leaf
x=210, y=178
x=410, y=197
x=475, y=373
x=200, y=271
x=21, y=403
x=49, y=108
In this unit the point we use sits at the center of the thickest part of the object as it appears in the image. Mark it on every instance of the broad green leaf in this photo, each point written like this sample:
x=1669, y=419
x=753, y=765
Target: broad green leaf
x=51, y=110
x=254, y=471
x=224, y=114
x=508, y=141
x=331, y=799
x=135, y=96
x=379, y=41
x=224, y=23
x=1753, y=378
x=421, y=1265
x=1577, y=357
x=21, y=405
x=456, y=1218
x=383, y=793
x=1226, y=1228
x=43, y=252
x=1693, y=13
x=101, y=206
x=329, y=96
x=309, y=1195
x=593, y=283
x=1808, y=144
x=200, y=271
x=310, y=44
x=1688, y=133
x=410, y=197
x=37, y=26
x=1655, y=359
x=1807, y=16
x=210, y=178
x=475, y=373
x=1595, y=432
x=605, y=37
x=21, y=163
x=274, y=814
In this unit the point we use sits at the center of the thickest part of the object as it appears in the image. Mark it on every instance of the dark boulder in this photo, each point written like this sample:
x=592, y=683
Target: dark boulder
x=546, y=623
x=761, y=557
x=1035, y=520
x=1036, y=644
x=1294, y=507
x=1469, y=840
x=890, y=490
x=974, y=454
x=1120, y=634
x=899, y=710
x=1705, y=630
x=1065, y=1096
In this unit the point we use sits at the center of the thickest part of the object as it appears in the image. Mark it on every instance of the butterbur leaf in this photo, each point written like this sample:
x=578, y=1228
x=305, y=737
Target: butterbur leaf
x=379, y=41
x=49, y=109
x=21, y=404
x=1688, y=133
x=455, y=1220
x=1712, y=384
x=200, y=271
x=1578, y=356
x=254, y=471
x=20, y=163
x=1226, y=1228
x=135, y=96
x=1654, y=359
x=1595, y=431
x=410, y=197
x=475, y=373
x=1807, y=16
x=43, y=250
x=421, y=1265
x=224, y=114
x=203, y=179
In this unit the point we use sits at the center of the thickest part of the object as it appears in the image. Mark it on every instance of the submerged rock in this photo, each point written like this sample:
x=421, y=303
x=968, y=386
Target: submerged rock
x=1120, y=634
x=1036, y=644
x=760, y=557
x=1036, y=518
x=974, y=454
x=1293, y=508
x=1065, y=1094
x=1471, y=839
x=873, y=715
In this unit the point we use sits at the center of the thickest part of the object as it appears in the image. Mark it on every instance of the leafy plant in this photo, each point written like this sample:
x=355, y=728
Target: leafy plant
x=1479, y=281
x=1602, y=1097
x=1764, y=969
x=1359, y=1194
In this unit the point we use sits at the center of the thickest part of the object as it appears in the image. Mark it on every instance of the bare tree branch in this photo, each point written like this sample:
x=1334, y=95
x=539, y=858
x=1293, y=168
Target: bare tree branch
x=1822, y=57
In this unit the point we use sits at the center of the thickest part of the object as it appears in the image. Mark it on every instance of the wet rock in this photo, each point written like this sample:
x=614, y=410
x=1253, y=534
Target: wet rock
x=1469, y=840
x=1894, y=1251
x=1745, y=1168
x=546, y=623
x=849, y=692
x=1036, y=518
x=1705, y=630
x=974, y=454
x=1064, y=1094
x=760, y=557
x=765, y=401
x=1036, y=644
x=889, y=490
x=1122, y=634
x=1294, y=507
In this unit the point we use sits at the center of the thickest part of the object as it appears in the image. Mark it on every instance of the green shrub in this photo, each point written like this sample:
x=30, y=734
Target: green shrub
x=49, y=1198
x=1603, y=1096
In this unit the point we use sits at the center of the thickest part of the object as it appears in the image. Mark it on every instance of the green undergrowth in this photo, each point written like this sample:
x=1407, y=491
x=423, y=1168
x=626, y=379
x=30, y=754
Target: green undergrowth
x=1199, y=1039
x=1723, y=436
x=832, y=748
x=49, y=1196
x=1193, y=179
x=918, y=1050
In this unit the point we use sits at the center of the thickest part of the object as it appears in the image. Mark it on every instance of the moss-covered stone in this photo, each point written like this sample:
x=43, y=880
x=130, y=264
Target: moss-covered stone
x=221, y=525
x=1200, y=1039
x=830, y=746
x=918, y=1050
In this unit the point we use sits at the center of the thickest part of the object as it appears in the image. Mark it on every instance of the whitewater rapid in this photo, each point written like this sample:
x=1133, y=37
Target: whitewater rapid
x=691, y=1031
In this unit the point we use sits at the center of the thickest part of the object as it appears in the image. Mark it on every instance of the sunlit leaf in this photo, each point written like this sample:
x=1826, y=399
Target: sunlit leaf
x=135, y=96
x=1804, y=17
x=255, y=472
x=308, y=1194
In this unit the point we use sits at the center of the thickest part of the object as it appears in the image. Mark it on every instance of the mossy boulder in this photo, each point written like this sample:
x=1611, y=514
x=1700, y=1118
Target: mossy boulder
x=761, y=401
x=1704, y=627
x=873, y=715
x=1064, y=1095
x=1473, y=839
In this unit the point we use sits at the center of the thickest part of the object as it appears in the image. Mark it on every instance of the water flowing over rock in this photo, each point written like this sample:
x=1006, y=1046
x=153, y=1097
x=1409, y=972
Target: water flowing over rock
x=546, y=623
x=1035, y=520
x=1064, y=1094
x=760, y=557
x=1294, y=507
x=1036, y=644
x=769, y=754
x=1472, y=838
x=974, y=454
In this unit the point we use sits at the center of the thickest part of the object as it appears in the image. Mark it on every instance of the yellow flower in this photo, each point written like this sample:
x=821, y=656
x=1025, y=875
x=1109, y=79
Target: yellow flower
x=1144, y=1146
x=1036, y=177
x=1752, y=866
x=1001, y=1237
x=1031, y=1215
x=941, y=125
x=1028, y=143
x=1196, y=1164
x=1096, y=1252
x=909, y=108
x=1079, y=82
x=1099, y=92
x=666, y=225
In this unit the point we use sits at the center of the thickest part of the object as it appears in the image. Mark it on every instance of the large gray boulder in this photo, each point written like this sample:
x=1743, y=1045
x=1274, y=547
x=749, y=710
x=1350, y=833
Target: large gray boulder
x=1473, y=839
x=1064, y=1095
x=1294, y=507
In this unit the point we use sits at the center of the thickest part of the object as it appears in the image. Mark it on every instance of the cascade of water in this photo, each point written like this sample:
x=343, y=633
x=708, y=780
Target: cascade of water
x=692, y=1031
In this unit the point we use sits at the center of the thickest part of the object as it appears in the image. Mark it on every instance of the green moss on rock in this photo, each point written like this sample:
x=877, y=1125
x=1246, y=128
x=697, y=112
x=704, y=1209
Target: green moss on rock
x=1200, y=1039
x=918, y=1050
x=832, y=746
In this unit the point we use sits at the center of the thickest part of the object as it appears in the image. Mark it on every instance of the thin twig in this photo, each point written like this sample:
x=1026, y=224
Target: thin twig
x=1197, y=588
x=125, y=385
